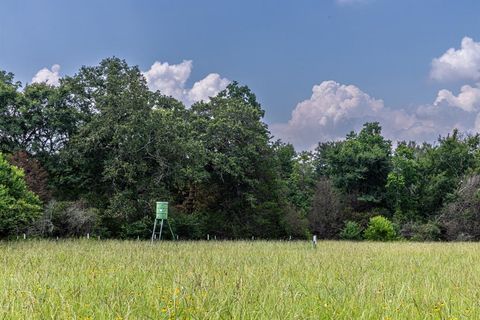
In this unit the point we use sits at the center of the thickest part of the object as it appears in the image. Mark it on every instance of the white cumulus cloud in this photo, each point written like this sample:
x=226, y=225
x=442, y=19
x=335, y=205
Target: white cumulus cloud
x=332, y=111
x=49, y=76
x=335, y=109
x=468, y=99
x=463, y=63
x=170, y=79
x=207, y=87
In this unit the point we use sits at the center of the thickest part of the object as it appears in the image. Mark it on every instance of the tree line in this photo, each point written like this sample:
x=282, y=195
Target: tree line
x=95, y=153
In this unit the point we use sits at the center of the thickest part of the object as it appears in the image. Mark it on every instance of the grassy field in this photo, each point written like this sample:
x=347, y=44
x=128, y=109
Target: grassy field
x=238, y=280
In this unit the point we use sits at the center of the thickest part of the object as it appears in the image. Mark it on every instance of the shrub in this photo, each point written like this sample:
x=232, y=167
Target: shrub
x=141, y=228
x=380, y=229
x=429, y=231
x=295, y=223
x=188, y=225
x=460, y=218
x=18, y=206
x=67, y=219
x=351, y=231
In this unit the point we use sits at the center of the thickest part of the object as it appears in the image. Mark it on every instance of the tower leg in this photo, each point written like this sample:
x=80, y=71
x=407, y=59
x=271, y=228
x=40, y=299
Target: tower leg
x=171, y=231
x=161, y=228
x=154, y=227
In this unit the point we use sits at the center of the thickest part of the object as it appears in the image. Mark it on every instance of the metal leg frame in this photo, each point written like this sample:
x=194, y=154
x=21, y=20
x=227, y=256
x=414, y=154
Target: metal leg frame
x=161, y=229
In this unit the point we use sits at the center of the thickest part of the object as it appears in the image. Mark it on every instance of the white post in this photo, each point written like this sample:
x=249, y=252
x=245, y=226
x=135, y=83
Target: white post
x=177, y=237
x=99, y=238
x=88, y=235
x=208, y=237
x=24, y=236
x=314, y=241
x=214, y=237
x=290, y=238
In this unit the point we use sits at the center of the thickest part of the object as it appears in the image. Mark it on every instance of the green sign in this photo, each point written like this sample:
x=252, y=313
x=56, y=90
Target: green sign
x=162, y=210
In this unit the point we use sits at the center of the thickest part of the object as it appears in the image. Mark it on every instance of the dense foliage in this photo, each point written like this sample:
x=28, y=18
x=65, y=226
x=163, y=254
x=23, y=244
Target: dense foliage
x=380, y=229
x=100, y=148
x=18, y=206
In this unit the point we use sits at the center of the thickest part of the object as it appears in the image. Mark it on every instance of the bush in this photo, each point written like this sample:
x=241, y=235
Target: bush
x=188, y=225
x=380, y=229
x=67, y=219
x=351, y=231
x=429, y=231
x=295, y=224
x=460, y=218
x=18, y=206
x=140, y=228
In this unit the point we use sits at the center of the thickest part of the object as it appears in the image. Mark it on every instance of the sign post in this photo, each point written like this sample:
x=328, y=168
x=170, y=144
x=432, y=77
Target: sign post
x=161, y=215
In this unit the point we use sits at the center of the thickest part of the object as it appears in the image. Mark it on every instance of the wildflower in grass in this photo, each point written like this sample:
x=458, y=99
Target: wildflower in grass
x=439, y=306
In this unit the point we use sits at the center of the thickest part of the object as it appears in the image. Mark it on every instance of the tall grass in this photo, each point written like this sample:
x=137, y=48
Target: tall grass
x=238, y=280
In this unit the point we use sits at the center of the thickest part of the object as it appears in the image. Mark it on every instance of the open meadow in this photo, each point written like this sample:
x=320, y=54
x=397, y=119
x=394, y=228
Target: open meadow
x=82, y=279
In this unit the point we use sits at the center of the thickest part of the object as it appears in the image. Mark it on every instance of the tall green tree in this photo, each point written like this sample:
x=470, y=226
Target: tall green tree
x=359, y=166
x=302, y=182
x=442, y=169
x=242, y=179
x=37, y=119
x=105, y=161
x=403, y=183
x=9, y=100
x=135, y=147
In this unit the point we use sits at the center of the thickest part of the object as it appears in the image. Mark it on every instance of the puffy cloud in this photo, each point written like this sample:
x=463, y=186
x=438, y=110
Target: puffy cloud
x=170, y=79
x=49, y=76
x=468, y=99
x=335, y=109
x=466, y=103
x=463, y=63
x=207, y=87
x=332, y=111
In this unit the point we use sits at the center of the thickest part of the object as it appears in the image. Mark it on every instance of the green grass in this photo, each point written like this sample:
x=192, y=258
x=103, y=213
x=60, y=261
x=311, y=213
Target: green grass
x=238, y=280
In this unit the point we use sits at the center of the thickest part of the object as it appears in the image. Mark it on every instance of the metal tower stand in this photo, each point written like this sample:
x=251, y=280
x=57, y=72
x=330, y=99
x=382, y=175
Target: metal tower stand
x=154, y=234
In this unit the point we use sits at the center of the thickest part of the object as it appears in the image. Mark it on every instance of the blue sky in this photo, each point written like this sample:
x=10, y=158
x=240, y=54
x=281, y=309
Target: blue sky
x=370, y=59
